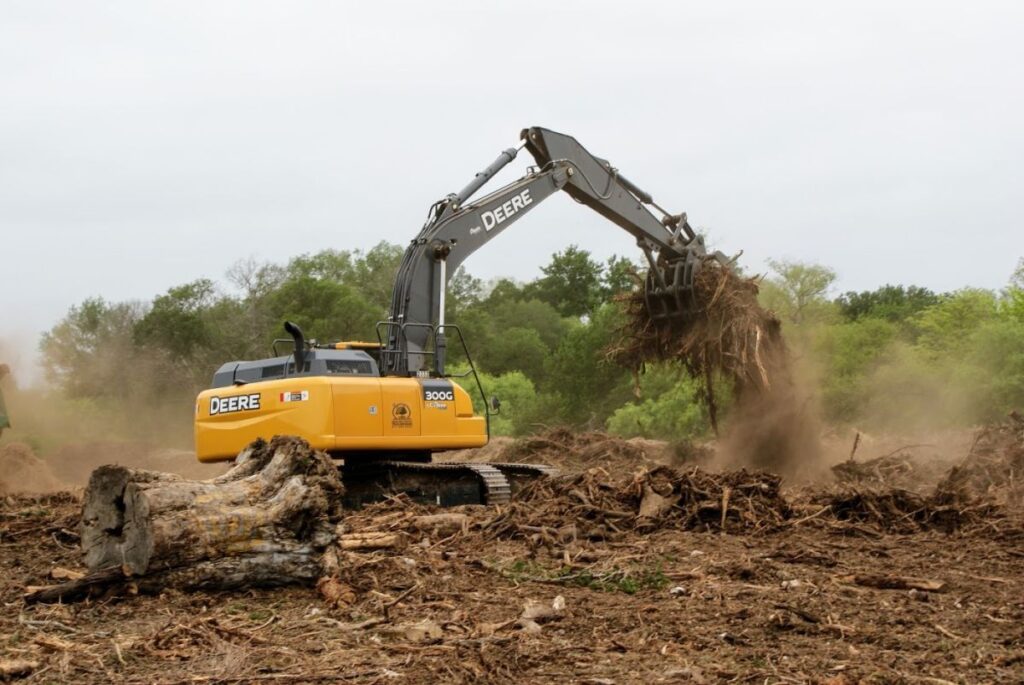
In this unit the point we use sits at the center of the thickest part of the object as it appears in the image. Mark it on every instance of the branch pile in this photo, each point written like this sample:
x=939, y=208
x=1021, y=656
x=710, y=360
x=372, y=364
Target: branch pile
x=993, y=469
x=891, y=470
x=898, y=511
x=986, y=481
x=571, y=449
x=593, y=506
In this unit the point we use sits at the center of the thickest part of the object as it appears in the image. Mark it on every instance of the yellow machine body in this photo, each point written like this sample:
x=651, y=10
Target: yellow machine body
x=339, y=414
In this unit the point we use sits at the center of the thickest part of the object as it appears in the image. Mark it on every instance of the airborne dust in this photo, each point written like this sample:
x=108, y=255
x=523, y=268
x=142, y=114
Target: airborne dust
x=54, y=442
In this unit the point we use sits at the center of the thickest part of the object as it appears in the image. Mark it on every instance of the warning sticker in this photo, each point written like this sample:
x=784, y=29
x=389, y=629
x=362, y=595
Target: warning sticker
x=300, y=396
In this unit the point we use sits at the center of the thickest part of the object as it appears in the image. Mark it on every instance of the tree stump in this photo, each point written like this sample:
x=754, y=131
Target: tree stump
x=267, y=521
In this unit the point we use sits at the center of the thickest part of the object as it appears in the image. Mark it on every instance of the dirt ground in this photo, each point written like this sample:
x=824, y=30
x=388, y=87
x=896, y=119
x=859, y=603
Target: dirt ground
x=507, y=598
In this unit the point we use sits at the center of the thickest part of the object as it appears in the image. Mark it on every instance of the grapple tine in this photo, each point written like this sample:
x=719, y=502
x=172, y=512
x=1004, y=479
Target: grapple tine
x=669, y=292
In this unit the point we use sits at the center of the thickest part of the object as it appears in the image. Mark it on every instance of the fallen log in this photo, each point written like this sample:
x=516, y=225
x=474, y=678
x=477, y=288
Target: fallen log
x=267, y=521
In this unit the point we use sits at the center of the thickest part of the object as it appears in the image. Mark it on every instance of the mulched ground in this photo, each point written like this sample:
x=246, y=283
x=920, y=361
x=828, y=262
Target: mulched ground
x=661, y=575
x=785, y=604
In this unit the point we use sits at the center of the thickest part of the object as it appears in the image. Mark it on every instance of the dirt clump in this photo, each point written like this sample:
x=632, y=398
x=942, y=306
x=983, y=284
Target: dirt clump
x=21, y=471
x=733, y=339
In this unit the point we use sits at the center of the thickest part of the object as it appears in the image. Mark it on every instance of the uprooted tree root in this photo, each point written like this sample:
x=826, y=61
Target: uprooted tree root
x=731, y=337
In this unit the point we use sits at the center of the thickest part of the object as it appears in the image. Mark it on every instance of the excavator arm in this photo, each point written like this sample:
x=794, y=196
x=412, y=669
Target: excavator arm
x=456, y=228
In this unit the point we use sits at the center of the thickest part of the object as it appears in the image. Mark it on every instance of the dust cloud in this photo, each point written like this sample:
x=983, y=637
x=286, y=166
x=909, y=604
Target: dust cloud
x=55, y=442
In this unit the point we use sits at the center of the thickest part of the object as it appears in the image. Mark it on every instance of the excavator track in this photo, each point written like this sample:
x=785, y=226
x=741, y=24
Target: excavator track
x=441, y=483
x=521, y=475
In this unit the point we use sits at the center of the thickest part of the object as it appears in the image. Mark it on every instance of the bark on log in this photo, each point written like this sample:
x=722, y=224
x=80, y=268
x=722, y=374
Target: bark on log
x=267, y=521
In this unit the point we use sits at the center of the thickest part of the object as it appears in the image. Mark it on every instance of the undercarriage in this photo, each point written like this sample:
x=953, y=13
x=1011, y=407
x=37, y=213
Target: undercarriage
x=445, y=484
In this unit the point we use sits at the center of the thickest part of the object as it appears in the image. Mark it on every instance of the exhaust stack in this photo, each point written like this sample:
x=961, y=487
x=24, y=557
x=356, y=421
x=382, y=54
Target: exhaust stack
x=300, y=344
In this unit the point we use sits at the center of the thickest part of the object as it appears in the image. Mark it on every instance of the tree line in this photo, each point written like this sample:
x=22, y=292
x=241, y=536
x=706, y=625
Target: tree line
x=877, y=359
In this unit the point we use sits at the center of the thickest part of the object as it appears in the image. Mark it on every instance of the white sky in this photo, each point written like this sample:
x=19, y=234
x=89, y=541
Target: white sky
x=146, y=144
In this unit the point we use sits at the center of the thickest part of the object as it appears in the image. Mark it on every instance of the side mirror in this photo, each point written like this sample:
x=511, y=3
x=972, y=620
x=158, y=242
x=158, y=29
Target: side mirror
x=495, y=404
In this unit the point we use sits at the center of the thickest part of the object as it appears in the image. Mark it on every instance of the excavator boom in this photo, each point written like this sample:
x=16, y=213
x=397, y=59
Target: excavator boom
x=458, y=227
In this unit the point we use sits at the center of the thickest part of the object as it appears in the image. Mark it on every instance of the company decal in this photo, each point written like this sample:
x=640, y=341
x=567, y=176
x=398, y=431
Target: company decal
x=401, y=415
x=300, y=396
x=230, y=405
x=503, y=212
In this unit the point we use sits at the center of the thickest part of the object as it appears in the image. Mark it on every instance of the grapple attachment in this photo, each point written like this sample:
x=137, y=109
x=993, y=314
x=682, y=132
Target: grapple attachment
x=669, y=288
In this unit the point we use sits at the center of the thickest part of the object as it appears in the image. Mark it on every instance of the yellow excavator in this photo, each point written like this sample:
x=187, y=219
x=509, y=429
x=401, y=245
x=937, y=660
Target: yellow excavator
x=384, y=408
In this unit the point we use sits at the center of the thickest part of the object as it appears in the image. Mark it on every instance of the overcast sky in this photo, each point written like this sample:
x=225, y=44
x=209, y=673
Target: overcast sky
x=145, y=144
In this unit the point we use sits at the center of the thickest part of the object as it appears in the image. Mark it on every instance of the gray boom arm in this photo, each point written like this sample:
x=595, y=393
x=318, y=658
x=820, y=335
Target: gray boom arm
x=455, y=230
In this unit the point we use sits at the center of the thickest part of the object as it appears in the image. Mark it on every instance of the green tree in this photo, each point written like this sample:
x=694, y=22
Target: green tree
x=533, y=314
x=518, y=401
x=572, y=283
x=516, y=349
x=994, y=368
x=798, y=290
x=501, y=292
x=177, y=321
x=90, y=353
x=1013, y=302
x=249, y=330
x=325, y=309
x=671, y=414
x=374, y=274
x=849, y=352
x=587, y=386
x=464, y=291
x=891, y=302
x=946, y=327
x=620, y=276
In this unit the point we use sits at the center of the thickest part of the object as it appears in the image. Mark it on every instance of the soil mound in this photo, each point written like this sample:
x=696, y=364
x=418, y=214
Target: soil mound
x=21, y=471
